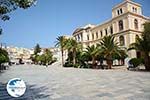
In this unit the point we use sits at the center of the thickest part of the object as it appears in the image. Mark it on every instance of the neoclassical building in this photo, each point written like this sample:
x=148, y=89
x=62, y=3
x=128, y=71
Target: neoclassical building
x=126, y=25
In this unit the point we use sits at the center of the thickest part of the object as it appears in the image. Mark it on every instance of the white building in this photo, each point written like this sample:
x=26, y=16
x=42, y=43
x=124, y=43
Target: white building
x=126, y=25
x=16, y=53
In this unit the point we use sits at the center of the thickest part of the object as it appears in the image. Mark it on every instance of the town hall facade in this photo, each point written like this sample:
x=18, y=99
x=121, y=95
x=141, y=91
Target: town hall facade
x=126, y=25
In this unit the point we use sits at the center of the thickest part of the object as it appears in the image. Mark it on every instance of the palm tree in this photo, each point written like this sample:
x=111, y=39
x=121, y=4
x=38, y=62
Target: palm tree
x=142, y=45
x=61, y=43
x=109, y=47
x=92, y=51
x=73, y=46
x=121, y=57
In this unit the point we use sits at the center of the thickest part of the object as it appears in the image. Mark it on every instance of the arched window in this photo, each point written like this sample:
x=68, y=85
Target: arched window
x=121, y=25
x=111, y=29
x=121, y=40
x=96, y=35
x=106, y=32
x=87, y=37
x=101, y=33
x=136, y=24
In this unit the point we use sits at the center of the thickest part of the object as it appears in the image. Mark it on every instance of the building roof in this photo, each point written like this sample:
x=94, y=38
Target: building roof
x=126, y=1
x=88, y=26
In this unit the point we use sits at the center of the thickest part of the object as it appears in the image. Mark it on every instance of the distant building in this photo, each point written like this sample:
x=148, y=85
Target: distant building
x=126, y=25
x=56, y=53
x=16, y=53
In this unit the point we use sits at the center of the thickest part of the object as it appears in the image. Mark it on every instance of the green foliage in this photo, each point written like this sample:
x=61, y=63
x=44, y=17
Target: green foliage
x=48, y=56
x=61, y=44
x=143, y=45
x=45, y=58
x=107, y=49
x=68, y=64
x=73, y=47
x=110, y=49
x=3, y=56
x=136, y=61
x=146, y=32
x=121, y=55
x=82, y=59
x=7, y=6
x=37, y=49
x=92, y=52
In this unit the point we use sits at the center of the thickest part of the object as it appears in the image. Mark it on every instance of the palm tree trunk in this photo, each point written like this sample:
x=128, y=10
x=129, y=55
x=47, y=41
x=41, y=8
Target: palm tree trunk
x=93, y=63
x=147, y=61
x=109, y=63
x=74, y=57
x=62, y=56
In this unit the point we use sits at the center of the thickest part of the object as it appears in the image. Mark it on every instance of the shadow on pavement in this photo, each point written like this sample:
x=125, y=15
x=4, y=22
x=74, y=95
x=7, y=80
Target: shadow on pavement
x=32, y=93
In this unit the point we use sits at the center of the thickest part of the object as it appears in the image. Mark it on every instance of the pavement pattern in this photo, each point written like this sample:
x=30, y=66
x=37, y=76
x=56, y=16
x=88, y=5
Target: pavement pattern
x=57, y=83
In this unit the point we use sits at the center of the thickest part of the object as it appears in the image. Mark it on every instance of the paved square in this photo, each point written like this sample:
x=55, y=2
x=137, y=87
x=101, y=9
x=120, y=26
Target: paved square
x=56, y=83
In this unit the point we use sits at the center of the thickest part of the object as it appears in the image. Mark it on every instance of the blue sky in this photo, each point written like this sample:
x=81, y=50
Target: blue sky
x=51, y=18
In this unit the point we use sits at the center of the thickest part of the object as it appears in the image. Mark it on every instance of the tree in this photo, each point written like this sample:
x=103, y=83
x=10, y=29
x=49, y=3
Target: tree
x=61, y=43
x=73, y=46
x=37, y=49
x=109, y=47
x=48, y=56
x=93, y=52
x=121, y=56
x=146, y=32
x=3, y=56
x=81, y=59
x=35, y=57
x=7, y=6
x=143, y=45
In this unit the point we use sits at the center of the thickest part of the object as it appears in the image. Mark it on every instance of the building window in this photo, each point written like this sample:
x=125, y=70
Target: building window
x=136, y=24
x=111, y=29
x=92, y=36
x=121, y=40
x=120, y=25
x=121, y=11
x=106, y=31
x=78, y=38
x=118, y=12
x=87, y=37
x=134, y=9
x=101, y=33
x=97, y=35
